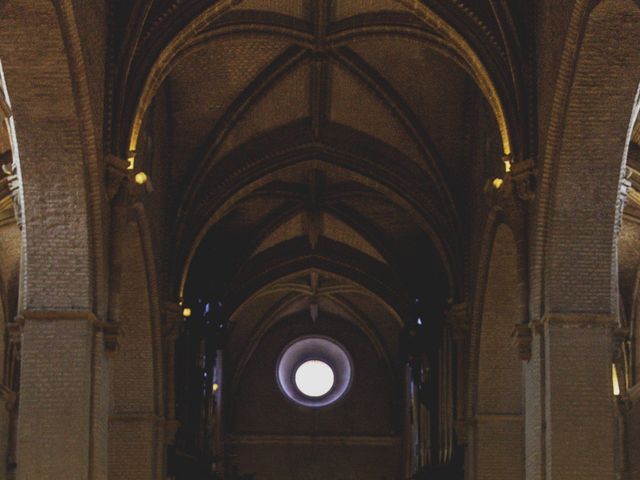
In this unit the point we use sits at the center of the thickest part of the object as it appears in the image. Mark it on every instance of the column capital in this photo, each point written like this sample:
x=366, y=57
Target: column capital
x=117, y=174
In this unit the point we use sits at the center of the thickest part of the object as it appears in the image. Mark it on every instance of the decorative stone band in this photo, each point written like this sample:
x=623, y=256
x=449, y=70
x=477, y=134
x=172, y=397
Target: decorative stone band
x=110, y=330
x=580, y=320
x=523, y=333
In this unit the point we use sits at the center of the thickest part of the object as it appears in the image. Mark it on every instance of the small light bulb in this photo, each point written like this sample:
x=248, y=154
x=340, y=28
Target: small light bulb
x=131, y=162
x=507, y=166
x=497, y=183
x=141, y=178
x=215, y=387
x=186, y=312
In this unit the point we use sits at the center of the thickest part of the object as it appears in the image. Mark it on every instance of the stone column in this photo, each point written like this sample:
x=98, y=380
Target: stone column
x=458, y=324
x=570, y=424
x=171, y=331
x=61, y=424
x=7, y=410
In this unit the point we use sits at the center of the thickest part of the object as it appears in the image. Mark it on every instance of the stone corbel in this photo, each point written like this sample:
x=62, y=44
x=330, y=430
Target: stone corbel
x=117, y=175
x=516, y=189
x=524, y=179
x=522, y=337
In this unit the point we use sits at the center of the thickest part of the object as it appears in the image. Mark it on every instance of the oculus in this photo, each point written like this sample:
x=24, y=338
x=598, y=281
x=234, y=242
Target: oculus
x=314, y=371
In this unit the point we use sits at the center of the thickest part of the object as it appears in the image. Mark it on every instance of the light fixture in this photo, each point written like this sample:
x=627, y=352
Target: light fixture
x=215, y=387
x=131, y=161
x=507, y=166
x=497, y=183
x=141, y=178
x=616, y=382
x=186, y=312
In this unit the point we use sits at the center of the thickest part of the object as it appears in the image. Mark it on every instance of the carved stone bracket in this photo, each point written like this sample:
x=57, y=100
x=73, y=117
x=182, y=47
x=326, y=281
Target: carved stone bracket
x=524, y=180
x=522, y=337
x=117, y=175
x=516, y=189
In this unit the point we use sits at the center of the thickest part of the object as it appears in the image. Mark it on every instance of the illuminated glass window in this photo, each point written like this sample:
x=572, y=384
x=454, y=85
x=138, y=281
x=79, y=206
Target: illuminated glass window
x=314, y=371
x=314, y=378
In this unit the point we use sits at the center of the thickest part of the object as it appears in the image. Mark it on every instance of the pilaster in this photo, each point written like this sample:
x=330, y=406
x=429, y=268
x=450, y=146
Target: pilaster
x=172, y=328
x=570, y=424
x=62, y=424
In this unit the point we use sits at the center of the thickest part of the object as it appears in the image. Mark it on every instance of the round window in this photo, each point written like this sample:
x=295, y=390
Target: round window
x=314, y=378
x=314, y=371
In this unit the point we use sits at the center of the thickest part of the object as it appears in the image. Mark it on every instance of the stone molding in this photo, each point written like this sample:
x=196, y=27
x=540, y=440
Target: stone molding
x=458, y=320
x=579, y=320
x=116, y=174
x=110, y=330
x=522, y=336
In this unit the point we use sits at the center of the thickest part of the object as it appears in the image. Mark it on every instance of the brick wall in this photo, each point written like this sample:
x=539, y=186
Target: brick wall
x=497, y=442
x=133, y=439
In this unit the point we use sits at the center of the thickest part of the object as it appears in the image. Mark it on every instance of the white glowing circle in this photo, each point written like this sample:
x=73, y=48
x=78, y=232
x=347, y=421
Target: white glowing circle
x=314, y=378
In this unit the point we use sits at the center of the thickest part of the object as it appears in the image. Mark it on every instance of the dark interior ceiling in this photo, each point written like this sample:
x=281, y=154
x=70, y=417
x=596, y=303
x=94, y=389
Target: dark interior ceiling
x=322, y=163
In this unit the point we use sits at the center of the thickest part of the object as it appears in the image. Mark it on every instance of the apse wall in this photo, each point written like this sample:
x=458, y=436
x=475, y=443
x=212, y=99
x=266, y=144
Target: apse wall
x=354, y=438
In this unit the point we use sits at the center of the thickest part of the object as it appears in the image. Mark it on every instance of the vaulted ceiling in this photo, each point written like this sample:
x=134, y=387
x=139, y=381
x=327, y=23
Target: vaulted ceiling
x=320, y=164
x=334, y=136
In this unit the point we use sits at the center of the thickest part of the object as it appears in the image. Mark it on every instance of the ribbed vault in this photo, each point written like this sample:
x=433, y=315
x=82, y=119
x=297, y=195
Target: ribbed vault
x=321, y=157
